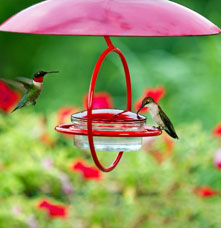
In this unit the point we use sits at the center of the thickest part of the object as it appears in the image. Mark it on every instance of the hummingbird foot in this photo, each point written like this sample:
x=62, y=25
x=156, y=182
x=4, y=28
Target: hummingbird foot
x=159, y=127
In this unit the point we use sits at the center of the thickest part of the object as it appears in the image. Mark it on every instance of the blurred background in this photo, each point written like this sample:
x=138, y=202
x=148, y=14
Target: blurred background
x=47, y=182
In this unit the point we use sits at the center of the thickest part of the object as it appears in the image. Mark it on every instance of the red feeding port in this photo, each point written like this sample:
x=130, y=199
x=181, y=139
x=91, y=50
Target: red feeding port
x=109, y=18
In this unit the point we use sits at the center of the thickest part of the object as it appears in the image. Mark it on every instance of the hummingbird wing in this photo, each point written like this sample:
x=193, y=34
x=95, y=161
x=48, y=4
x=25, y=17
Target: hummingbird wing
x=169, y=128
x=27, y=83
x=15, y=84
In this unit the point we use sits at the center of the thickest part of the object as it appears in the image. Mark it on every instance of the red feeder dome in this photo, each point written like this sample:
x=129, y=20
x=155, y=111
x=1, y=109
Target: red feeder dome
x=109, y=18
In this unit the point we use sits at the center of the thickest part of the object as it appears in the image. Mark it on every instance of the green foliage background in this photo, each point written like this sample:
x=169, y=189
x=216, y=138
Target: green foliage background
x=138, y=193
x=188, y=67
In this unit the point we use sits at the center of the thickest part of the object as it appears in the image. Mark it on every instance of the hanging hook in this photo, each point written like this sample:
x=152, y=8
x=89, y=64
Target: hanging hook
x=108, y=41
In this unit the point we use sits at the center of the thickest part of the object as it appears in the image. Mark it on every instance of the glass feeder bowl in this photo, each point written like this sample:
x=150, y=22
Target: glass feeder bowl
x=109, y=121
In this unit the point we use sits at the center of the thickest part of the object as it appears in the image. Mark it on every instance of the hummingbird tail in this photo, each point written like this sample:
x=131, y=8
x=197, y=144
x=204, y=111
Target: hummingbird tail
x=17, y=107
x=14, y=109
x=172, y=134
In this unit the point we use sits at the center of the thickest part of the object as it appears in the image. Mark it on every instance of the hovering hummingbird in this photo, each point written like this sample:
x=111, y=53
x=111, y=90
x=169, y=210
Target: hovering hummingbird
x=159, y=116
x=32, y=88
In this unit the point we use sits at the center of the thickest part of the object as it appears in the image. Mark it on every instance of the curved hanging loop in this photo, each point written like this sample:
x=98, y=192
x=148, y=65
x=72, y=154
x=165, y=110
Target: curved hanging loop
x=110, y=48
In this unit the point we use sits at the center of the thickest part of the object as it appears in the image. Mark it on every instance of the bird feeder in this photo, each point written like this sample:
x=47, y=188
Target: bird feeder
x=109, y=129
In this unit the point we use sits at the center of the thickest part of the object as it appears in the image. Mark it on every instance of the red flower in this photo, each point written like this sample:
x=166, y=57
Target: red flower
x=53, y=209
x=160, y=155
x=156, y=94
x=8, y=97
x=47, y=140
x=45, y=137
x=217, y=131
x=217, y=159
x=205, y=191
x=64, y=114
x=169, y=143
x=87, y=171
x=101, y=100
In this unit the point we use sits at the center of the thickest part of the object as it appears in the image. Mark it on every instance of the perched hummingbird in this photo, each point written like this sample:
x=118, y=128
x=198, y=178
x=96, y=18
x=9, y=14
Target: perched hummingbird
x=159, y=116
x=32, y=88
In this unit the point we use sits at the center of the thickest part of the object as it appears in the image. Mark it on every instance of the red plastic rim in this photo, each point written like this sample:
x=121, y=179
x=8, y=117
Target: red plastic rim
x=144, y=132
x=109, y=116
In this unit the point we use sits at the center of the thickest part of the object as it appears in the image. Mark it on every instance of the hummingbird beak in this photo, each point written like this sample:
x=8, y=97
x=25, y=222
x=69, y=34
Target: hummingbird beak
x=49, y=72
x=139, y=109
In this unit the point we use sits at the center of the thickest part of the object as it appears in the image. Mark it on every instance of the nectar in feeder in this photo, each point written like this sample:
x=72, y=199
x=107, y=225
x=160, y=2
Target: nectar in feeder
x=110, y=121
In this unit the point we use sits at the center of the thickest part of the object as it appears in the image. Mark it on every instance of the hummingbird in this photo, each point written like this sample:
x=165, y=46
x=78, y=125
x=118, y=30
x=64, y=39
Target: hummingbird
x=31, y=88
x=159, y=116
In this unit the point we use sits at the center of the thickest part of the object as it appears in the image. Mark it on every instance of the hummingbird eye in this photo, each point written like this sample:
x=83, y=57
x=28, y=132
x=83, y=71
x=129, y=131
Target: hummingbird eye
x=39, y=73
